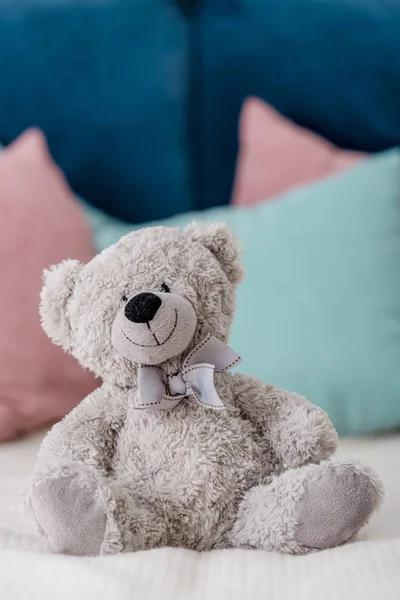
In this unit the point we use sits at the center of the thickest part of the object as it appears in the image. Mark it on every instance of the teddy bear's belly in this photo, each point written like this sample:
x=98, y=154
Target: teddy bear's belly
x=197, y=462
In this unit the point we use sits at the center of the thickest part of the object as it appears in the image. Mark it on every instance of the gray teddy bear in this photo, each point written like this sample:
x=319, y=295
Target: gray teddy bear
x=173, y=449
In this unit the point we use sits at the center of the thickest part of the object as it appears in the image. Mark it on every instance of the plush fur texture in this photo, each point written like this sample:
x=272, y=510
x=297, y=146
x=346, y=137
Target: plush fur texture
x=112, y=478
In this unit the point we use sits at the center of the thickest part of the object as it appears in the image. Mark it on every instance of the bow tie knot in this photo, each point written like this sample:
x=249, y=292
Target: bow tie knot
x=196, y=379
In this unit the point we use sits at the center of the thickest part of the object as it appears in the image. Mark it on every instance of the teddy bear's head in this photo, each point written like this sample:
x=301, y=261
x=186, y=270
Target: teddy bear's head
x=148, y=299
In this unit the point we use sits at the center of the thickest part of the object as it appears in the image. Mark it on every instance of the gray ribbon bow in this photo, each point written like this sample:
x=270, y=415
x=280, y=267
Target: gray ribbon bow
x=196, y=379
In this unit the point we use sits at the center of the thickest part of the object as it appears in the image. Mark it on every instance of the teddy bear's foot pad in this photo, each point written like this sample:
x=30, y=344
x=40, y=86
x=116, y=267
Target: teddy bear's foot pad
x=336, y=505
x=71, y=513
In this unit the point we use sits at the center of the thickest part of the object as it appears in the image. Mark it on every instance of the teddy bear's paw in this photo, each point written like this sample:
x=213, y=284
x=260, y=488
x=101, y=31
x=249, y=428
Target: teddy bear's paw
x=70, y=512
x=337, y=502
x=321, y=438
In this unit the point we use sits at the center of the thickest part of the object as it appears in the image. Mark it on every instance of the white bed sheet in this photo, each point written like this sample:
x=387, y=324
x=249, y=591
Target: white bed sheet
x=368, y=569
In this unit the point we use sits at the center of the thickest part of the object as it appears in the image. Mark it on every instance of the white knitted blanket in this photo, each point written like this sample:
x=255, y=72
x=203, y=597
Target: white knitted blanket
x=368, y=569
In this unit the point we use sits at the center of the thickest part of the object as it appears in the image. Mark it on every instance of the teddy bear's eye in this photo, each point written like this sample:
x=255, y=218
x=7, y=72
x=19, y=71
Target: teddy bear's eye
x=124, y=298
x=164, y=288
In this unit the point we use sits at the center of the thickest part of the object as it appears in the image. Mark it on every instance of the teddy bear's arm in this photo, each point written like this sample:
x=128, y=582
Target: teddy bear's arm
x=86, y=435
x=299, y=432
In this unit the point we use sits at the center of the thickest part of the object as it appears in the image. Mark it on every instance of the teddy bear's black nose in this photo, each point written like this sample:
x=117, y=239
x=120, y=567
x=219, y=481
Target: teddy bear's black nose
x=142, y=308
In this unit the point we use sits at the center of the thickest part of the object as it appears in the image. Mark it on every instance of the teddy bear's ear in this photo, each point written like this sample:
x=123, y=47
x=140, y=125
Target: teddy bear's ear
x=59, y=282
x=221, y=241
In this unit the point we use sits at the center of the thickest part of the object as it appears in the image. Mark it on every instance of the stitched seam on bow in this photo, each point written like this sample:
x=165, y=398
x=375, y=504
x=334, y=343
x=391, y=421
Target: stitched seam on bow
x=209, y=405
x=197, y=397
x=147, y=404
x=150, y=367
x=204, y=366
x=235, y=362
x=170, y=399
x=196, y=348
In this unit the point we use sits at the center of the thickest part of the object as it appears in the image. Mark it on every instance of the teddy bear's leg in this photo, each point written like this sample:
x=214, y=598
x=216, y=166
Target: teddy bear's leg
x=313, y=507
x=70, y=509
x=80, y=512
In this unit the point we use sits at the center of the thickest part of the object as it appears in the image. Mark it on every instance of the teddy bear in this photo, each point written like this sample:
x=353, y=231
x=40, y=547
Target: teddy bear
x=175, y=449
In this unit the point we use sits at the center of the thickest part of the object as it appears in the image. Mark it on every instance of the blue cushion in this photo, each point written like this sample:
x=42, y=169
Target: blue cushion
x=107, y=82
x=319, y=310
x=141, y=102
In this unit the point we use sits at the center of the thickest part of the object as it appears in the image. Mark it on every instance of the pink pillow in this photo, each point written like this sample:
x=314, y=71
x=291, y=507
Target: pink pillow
x=276, y=155
x=41, y=224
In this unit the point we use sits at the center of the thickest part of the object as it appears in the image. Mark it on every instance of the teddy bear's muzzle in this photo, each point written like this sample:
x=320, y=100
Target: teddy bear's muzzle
x=152, y=328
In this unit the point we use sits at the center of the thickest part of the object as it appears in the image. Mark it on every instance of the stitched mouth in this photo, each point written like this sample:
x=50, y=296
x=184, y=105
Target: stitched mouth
x=158, y=344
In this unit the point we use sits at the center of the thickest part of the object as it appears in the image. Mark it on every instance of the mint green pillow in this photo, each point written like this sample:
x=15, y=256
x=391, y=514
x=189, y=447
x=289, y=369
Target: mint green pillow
x=319, y=310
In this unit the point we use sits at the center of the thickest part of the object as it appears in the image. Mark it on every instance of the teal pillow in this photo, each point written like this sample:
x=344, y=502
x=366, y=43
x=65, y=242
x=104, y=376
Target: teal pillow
x=319, y=310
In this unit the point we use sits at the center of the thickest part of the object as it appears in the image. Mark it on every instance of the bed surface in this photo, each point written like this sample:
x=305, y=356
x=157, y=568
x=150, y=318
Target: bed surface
x=368, y=568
